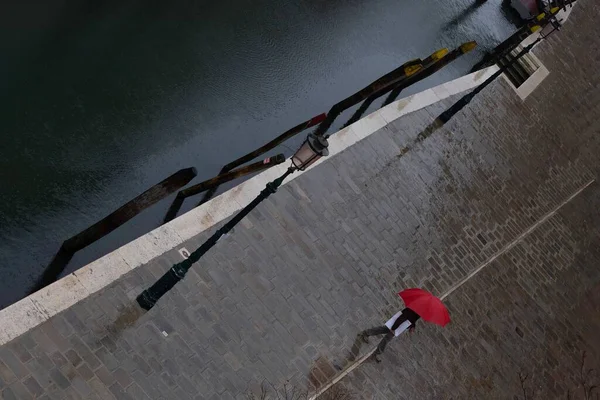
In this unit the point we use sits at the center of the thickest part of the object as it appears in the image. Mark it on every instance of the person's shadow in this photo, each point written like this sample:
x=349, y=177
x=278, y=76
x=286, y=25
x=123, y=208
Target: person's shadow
x=355, y=349
x=352, y=354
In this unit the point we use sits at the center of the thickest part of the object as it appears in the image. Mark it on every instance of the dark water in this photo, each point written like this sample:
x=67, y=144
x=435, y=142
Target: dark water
x=102, y=99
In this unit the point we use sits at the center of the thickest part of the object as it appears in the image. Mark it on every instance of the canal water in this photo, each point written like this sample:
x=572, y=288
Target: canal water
x=99, y=100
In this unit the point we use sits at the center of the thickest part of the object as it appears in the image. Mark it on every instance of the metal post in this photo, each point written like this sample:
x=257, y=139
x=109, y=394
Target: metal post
x=148, y=298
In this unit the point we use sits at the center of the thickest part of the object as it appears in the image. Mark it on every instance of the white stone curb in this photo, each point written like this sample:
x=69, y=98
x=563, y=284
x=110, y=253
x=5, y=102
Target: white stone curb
x=42, y=305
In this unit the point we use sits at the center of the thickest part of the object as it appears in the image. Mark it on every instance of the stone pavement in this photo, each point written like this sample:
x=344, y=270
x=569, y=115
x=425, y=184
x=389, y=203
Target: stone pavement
x=521, y=314
x=282, y=298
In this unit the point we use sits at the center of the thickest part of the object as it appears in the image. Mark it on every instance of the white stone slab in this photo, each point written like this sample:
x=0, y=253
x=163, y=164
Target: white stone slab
x=441, y=92
x=166, y=238
x=421, y=100
x=220, y=207
x=102, y=272
x=348, y=137
x=19, y=318
x=60, y=295
x=365, y=126
x=395, y=110
x=140, y=251
x=190, y=224
x=470, y=81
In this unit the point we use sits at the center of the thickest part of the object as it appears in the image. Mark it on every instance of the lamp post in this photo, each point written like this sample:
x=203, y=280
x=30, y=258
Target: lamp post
x=313, y=148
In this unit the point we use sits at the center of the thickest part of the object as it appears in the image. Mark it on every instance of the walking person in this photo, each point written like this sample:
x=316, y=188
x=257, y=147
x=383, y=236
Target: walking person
x=400, y=322
x=419, y=304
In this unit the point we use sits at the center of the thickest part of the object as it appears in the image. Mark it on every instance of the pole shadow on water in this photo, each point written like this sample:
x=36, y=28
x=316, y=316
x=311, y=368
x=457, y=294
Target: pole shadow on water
x=111, y=222
x=386, y=81
x=433, y=63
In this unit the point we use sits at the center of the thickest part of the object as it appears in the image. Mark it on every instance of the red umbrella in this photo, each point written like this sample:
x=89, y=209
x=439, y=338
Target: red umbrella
x=429, y=307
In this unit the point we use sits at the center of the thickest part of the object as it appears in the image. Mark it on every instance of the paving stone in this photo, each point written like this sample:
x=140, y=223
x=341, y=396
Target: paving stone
x=81, y=386
x=8, y=394
x=84, y=352
x=7, y=376
x=100, y=389
x=72, y=356
x=85, y=372
x=59, y=360
x=59, y=379
x=136, y=392
x=33, y=387
x=107, y=359
x=105, y=376
x=20, y=351
x=148, y=385
x=39, y=372
x=119, y=392
x=122, y=377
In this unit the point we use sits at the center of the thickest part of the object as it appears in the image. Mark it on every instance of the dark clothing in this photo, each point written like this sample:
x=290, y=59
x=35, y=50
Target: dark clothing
x=407, y=315
x=380, y=330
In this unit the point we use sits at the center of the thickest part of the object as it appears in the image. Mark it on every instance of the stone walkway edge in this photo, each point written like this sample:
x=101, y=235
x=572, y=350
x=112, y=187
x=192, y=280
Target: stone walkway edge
x=39, y=307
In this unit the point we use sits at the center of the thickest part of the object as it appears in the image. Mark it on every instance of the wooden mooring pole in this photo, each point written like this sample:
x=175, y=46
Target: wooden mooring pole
x=263, y=149
x=111, y=222
x=401, y=83
x=217, y=181
x=432, y=64
x=385, y=81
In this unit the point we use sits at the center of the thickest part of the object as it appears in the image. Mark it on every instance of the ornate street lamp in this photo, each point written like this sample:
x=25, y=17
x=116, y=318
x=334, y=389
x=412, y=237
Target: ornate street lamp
x=311, y=150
